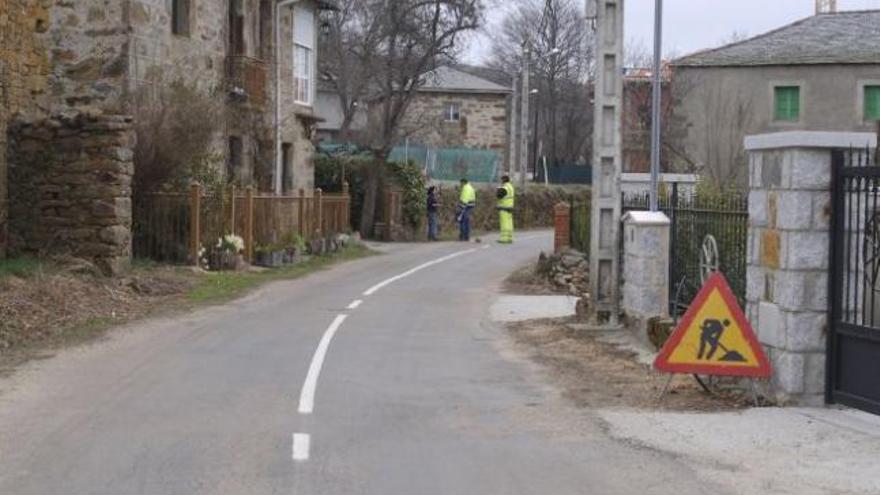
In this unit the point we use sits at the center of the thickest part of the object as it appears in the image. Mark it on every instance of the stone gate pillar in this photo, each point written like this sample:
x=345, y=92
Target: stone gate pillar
x=788, y=253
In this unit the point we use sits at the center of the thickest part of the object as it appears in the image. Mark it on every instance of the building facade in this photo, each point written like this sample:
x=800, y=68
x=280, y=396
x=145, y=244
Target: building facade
x=92, y=57
x=819, y=74
x=455, y=109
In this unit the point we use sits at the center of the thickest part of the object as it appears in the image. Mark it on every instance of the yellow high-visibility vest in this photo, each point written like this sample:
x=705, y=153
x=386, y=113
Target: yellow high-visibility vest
x=468, y=195
x=507, y=200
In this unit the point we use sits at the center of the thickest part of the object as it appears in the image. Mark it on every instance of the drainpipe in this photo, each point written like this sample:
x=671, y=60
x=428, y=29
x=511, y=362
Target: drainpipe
x=279, y=166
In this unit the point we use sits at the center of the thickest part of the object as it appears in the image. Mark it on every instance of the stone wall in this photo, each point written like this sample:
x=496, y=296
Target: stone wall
x=70, y=188
x=788, y=254
x=23, y=70
x=483, y=122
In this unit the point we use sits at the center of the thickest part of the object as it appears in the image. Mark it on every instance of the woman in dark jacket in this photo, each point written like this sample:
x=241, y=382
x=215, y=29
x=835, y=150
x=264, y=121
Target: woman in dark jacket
x=432, y=205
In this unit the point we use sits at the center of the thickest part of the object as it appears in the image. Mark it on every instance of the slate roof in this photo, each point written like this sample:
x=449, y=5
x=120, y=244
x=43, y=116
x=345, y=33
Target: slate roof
x=843, y=38
x=496, y=76
x=446, y=79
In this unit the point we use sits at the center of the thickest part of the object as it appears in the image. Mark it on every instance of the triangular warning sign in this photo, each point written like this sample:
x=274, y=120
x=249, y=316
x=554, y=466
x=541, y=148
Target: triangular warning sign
x=714, y=337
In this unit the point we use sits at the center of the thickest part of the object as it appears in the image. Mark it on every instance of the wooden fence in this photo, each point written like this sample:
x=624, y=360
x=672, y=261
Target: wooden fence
x=174, y=227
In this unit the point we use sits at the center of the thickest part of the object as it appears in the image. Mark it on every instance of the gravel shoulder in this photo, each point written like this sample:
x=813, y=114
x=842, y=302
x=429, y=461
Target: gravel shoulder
x=726, y=441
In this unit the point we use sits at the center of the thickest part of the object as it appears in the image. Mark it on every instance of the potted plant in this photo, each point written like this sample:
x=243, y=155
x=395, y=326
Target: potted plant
x=294, y=249
x=227, y=253
x=269, y=255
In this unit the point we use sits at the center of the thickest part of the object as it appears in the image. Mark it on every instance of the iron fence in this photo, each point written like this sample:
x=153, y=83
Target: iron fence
x=694, y=218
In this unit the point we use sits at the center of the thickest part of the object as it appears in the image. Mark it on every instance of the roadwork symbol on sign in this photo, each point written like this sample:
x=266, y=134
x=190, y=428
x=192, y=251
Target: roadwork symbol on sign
x=714, y=337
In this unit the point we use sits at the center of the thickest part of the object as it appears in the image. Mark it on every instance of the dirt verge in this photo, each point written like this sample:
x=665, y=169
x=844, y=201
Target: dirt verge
x=54, y=305
x=596, y=374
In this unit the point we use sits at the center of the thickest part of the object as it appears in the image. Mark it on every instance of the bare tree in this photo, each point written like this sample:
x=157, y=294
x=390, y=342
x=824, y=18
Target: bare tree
x=384, y=49
x=720, y=117
x=561, y=52
x=349, y=54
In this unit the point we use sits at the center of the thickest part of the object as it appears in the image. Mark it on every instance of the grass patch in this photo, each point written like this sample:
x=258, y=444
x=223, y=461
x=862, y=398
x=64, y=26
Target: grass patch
x=223, y=286
x=23, y=267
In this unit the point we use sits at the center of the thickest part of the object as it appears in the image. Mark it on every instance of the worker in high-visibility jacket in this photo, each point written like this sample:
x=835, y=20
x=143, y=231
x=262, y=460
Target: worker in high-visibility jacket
x=467, y=201
x=505, y=195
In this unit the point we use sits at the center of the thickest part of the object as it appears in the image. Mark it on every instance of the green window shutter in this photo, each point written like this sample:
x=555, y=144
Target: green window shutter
x=788, y=103
x=872, y=102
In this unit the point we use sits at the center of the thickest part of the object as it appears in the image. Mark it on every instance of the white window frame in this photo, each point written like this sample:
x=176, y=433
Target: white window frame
x=304, y=73
x=452, y=112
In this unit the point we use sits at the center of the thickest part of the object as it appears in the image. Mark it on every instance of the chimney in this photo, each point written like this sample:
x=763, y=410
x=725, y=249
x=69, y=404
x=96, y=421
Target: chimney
x=826, y=7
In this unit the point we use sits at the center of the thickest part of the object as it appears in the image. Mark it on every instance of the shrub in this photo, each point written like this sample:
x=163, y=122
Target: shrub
x=534, y=206
x=176, y=127
x=332, y=171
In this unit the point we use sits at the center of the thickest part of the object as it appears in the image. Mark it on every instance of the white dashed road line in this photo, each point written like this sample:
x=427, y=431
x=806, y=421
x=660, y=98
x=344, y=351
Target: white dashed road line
x=301, y=444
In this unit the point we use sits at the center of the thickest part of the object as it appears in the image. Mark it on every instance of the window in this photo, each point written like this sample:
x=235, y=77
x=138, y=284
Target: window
x=234, y=160
x=452, y=112
x=303, y=54
x=872, y=102
x=180, y=17
x=236, y=28
x=286, y=167
x=788, y=103
x=266, y=29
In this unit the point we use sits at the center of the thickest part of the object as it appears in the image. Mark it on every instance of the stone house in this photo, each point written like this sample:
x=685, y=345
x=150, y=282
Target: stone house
x=821, y=73
x=456, y=109
x=23, y=76
x=86, y=63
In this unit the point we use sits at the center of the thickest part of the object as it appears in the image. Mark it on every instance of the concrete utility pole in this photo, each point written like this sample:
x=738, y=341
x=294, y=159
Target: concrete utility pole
x=514, y=102
x=607, y=163
x=524, y=137
x=656, y=124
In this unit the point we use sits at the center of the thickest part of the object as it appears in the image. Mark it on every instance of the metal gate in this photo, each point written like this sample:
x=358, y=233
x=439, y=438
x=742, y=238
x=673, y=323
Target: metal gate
x=853, y=364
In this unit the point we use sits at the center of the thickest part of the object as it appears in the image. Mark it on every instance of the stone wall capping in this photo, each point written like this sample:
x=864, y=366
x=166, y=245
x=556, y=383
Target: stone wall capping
x=809, y=139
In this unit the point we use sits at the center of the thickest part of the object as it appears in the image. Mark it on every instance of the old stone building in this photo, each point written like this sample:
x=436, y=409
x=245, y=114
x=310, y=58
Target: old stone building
x=456, y=109
x=23, y=71
x=74, y=66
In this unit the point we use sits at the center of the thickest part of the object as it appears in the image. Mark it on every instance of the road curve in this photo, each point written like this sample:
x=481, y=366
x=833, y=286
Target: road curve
x=381, y=376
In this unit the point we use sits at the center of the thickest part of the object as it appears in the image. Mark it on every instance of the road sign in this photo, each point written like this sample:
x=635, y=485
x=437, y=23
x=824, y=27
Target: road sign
x=714, y=337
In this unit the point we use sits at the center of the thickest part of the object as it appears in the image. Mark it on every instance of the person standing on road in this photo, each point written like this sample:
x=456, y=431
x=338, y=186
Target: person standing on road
x=505, y=205
x=432, y=205
x=467, y=200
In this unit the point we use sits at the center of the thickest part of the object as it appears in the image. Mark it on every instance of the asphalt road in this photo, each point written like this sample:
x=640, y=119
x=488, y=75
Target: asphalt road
x=418, y=393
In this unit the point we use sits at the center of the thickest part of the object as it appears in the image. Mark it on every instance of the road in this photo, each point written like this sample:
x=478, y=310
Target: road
x=299, y=388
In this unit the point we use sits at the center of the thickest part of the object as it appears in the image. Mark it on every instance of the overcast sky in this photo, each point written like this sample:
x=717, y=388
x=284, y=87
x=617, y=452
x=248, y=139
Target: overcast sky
x=691, y=25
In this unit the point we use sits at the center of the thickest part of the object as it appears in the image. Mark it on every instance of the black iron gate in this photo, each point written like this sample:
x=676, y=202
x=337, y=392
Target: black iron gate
x=853, y=364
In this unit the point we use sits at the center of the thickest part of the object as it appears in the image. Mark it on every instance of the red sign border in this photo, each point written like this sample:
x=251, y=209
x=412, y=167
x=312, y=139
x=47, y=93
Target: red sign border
x=716, y=281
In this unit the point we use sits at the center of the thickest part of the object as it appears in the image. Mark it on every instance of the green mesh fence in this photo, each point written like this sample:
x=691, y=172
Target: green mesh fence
x=451, y=164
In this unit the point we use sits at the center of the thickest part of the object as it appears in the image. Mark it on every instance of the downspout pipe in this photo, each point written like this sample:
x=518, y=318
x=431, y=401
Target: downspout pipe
x=279, y=166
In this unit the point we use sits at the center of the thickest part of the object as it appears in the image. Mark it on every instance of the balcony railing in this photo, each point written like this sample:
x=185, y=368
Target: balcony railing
x=248, y=77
